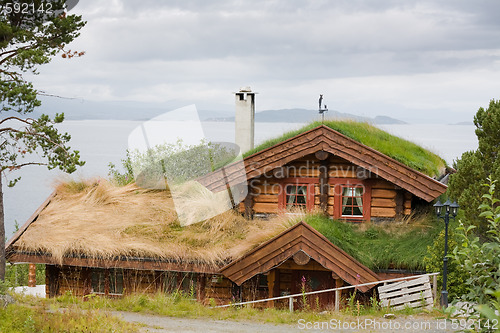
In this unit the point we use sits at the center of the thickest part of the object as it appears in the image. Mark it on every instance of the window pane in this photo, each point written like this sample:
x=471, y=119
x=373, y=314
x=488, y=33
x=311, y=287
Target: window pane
x=357, y=211
x=116, y=281
x=352, y=201
x=302, y=190
x=296, y=196
x=98, y=281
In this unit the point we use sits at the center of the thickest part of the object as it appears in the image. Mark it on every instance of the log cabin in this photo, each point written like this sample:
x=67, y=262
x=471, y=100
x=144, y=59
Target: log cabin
x=109, y=240
x=98, y=238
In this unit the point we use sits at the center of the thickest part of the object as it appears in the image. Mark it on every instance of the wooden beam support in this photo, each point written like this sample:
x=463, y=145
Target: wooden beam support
x=323, y=185
x=400, y=200
x=338, y=294
x=200, y=287
x=270, y=286
x=248, y=202
x=31, y=275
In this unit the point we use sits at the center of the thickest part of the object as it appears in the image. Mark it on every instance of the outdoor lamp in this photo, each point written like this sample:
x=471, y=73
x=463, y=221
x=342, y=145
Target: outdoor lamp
x=454, y=208
x=449, y=209
x=438, y=206
x=447, y=205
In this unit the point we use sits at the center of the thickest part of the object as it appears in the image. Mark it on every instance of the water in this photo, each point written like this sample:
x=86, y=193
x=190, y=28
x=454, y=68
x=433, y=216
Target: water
x=103, y=141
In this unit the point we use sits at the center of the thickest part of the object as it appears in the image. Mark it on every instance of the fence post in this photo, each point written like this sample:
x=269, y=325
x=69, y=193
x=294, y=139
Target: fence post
x=434, y=286
x=337, y=300
x=290, y=304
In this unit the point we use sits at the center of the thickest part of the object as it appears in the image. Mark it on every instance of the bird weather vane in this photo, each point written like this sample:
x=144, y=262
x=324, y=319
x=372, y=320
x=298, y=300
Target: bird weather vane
x=322, y=110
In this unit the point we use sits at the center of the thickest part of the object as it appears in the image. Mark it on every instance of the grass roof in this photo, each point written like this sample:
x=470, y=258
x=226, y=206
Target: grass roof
x=384, y=246
x=101, y=220
x=404, y=151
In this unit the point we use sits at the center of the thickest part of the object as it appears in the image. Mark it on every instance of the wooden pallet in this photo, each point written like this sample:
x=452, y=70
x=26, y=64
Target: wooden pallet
x=414, y=293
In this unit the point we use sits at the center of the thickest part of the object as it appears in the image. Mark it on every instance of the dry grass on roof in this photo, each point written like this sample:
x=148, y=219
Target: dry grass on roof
x=101, y=220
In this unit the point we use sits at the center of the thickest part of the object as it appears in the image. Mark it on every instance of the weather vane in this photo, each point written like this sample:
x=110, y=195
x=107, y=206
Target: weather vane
x=322, y=110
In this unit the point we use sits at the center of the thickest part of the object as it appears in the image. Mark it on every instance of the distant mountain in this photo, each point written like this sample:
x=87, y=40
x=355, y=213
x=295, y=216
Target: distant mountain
x=305, y=116
x=385, y=120
x=78, y=109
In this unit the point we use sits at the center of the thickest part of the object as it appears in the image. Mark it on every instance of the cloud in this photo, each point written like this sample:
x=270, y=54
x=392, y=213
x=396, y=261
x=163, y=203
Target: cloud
x=199, y=50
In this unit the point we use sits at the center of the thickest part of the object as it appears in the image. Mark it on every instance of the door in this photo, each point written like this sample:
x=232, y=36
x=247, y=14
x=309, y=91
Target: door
x=306, y=281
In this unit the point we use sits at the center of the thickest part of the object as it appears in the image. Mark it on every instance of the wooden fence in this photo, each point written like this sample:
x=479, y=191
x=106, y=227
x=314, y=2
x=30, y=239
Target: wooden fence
x=415, y=293
x=337, y=290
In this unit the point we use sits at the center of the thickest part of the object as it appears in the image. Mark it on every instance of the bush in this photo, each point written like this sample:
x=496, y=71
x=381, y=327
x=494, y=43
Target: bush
x=481, y=259
x=25, y=318
x=177, y=162
x=17, y=275
x=475, y=166
x=433, y=262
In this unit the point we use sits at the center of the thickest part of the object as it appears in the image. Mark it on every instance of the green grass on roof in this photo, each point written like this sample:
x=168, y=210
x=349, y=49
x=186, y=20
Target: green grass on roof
x=380, y=247
x=399, y=149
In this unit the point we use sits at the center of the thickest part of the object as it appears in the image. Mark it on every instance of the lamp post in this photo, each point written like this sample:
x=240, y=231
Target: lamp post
x=448, y=209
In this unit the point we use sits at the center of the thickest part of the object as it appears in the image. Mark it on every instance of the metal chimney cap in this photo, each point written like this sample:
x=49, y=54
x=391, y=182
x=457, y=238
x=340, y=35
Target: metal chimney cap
x=245, y=89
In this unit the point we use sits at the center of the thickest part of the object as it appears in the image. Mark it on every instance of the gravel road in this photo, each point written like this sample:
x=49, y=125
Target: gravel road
x=155, y=323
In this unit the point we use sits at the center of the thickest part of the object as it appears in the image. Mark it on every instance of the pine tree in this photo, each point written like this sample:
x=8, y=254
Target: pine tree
x=31, y=34
x=474, y=167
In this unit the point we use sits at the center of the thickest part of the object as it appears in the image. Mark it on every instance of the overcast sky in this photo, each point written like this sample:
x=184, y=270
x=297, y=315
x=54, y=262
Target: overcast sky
x=420, y=61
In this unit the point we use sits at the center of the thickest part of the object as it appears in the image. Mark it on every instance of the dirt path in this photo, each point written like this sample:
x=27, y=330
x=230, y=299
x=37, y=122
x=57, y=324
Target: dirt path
x=155, y=323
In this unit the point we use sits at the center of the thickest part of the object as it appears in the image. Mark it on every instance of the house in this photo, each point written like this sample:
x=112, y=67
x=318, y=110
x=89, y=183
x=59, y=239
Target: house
x=99, y=238
x=324, y=169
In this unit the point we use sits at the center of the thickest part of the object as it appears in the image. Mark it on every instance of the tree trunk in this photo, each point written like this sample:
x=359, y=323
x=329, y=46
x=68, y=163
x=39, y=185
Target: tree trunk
x=2, y=234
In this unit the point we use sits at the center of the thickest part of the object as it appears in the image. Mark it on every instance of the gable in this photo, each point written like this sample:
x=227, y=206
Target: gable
x=299, y=238
x=325, y=139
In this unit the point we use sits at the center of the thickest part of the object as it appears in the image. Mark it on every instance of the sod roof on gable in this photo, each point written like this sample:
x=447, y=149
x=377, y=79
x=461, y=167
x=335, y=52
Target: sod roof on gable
x=404, y=151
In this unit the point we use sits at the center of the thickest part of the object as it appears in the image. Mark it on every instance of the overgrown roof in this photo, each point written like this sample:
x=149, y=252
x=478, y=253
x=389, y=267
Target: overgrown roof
x=384, y=246
x=100, y=220
x=404, y=151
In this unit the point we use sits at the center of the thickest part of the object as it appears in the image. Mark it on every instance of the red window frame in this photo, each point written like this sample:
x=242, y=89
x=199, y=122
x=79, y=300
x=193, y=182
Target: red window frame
x=349, y=201
x=339, y=185
x=308, y=182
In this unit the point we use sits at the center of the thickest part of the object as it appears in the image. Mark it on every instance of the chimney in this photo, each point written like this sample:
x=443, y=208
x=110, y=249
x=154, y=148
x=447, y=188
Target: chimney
x=245, y=118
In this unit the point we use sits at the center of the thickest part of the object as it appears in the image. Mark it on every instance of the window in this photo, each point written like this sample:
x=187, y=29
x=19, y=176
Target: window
x=116, y=281
x=296, y=197
x=352, y=201
x=296, y=194
x=98, y=281
x=107, y=281
x=188, y=284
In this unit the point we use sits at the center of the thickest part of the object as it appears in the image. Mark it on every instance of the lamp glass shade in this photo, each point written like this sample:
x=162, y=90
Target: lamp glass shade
x=447, y=205
x=438, y=206
x=454, y=208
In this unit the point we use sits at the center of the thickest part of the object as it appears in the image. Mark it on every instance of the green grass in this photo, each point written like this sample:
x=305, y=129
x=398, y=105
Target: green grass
x=181, y=306
x=399, y=149
x=30, y=315
x=381, y=247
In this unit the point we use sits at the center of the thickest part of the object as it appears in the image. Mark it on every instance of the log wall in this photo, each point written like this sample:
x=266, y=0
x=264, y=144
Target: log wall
x=78, y=282
x=387, y=200
x=218, y=289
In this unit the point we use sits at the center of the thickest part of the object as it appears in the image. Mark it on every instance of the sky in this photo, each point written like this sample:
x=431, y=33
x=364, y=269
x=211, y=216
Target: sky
x=419, y=61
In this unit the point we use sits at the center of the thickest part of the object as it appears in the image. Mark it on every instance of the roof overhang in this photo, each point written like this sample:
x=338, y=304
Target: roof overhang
x=126, y=262
x=323, y=138
x=300, y=237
